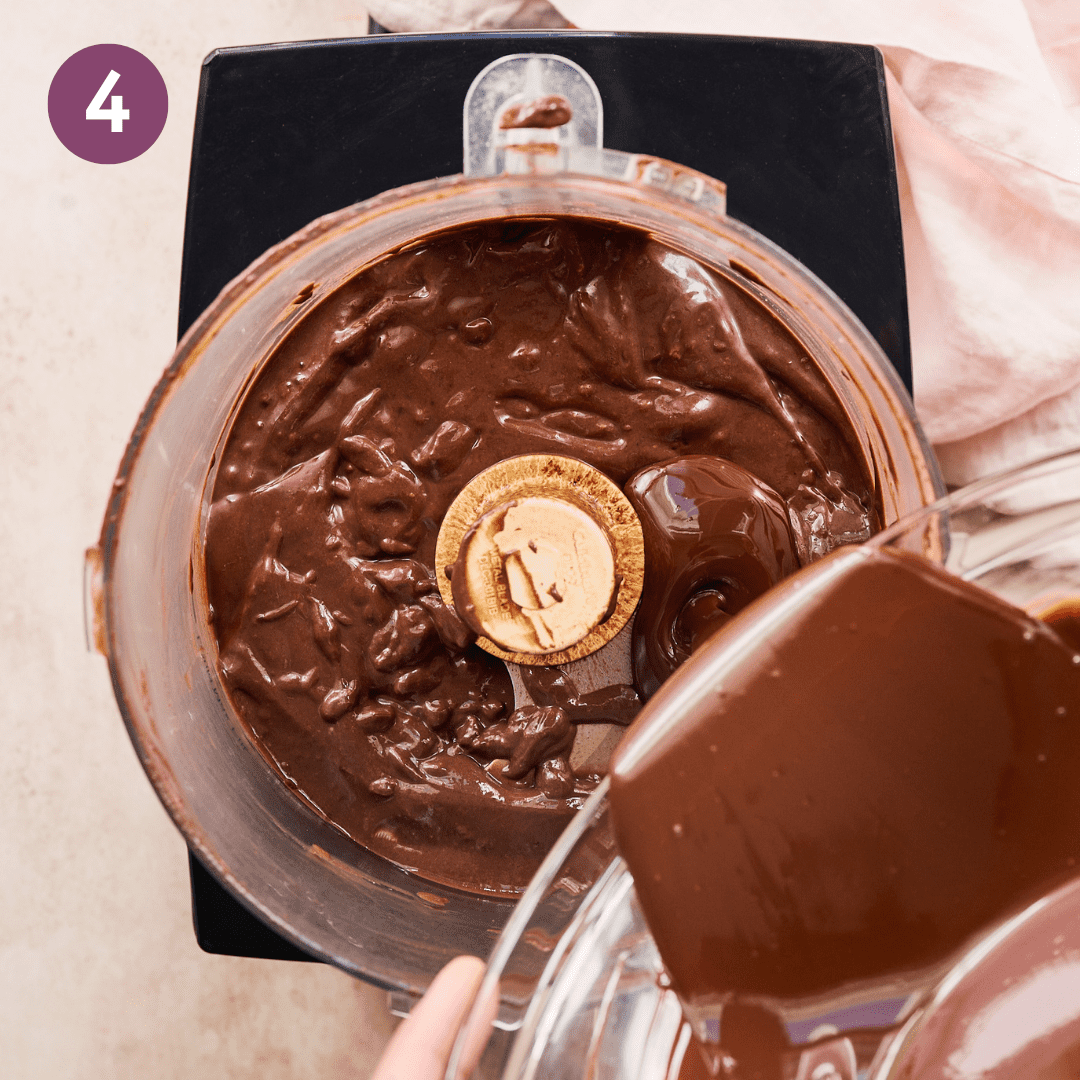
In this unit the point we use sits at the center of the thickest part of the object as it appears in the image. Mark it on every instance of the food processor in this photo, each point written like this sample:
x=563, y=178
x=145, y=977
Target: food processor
x=581, y=988
x=146, y=596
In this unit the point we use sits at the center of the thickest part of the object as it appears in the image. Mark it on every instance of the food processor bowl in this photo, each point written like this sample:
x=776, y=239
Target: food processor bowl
x=581, y=986
x=146, y=593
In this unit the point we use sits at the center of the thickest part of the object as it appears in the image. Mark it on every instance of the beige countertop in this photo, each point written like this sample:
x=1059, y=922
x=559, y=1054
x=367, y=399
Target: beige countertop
x=100, y=975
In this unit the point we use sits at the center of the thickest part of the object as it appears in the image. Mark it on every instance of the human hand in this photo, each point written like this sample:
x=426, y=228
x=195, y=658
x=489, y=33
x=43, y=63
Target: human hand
x=420, y=1047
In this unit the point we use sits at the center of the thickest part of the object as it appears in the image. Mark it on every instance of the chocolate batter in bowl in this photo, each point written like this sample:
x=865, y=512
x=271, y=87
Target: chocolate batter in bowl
x=289, y=864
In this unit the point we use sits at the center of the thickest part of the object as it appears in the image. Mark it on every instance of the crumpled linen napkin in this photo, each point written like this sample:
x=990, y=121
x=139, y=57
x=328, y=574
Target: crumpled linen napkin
x=418, y=16
x=985, y=104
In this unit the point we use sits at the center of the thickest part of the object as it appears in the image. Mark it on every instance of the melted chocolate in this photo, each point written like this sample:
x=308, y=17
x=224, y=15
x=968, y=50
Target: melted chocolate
x=716, y=538
x=387, y=397
x=617, y=704
x=753, y=1038
x=1015, y=1015
x=1065, y=619
x=891, y=770
x=547, y=112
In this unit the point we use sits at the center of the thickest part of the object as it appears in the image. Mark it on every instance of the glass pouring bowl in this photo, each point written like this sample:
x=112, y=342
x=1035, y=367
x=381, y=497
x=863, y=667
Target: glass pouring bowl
x=1010, y=1009
x=146, y=591
x=581, y=987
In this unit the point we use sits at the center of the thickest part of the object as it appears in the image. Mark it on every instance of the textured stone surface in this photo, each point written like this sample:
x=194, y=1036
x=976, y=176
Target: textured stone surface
x=101, y=975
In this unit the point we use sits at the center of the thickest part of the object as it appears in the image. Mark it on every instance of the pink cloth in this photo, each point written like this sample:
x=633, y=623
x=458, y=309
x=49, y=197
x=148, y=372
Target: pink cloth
x=985, y=103
x=427, y=15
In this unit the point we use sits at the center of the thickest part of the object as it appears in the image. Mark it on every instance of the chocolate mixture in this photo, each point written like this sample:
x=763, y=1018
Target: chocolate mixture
x=892, y=770
x=1015, y=1015
x=716, y=538
x=552, y=336
x=551, y=111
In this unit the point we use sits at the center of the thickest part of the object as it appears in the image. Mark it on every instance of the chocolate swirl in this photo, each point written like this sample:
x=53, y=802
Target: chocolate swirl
x=716, y=537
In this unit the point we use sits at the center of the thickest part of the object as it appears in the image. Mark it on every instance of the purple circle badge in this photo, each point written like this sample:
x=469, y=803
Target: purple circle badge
x=108, y=104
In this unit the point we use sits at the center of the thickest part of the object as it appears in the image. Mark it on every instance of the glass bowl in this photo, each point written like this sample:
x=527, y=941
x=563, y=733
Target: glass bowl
x=581, y=987
x=1009, y=1009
